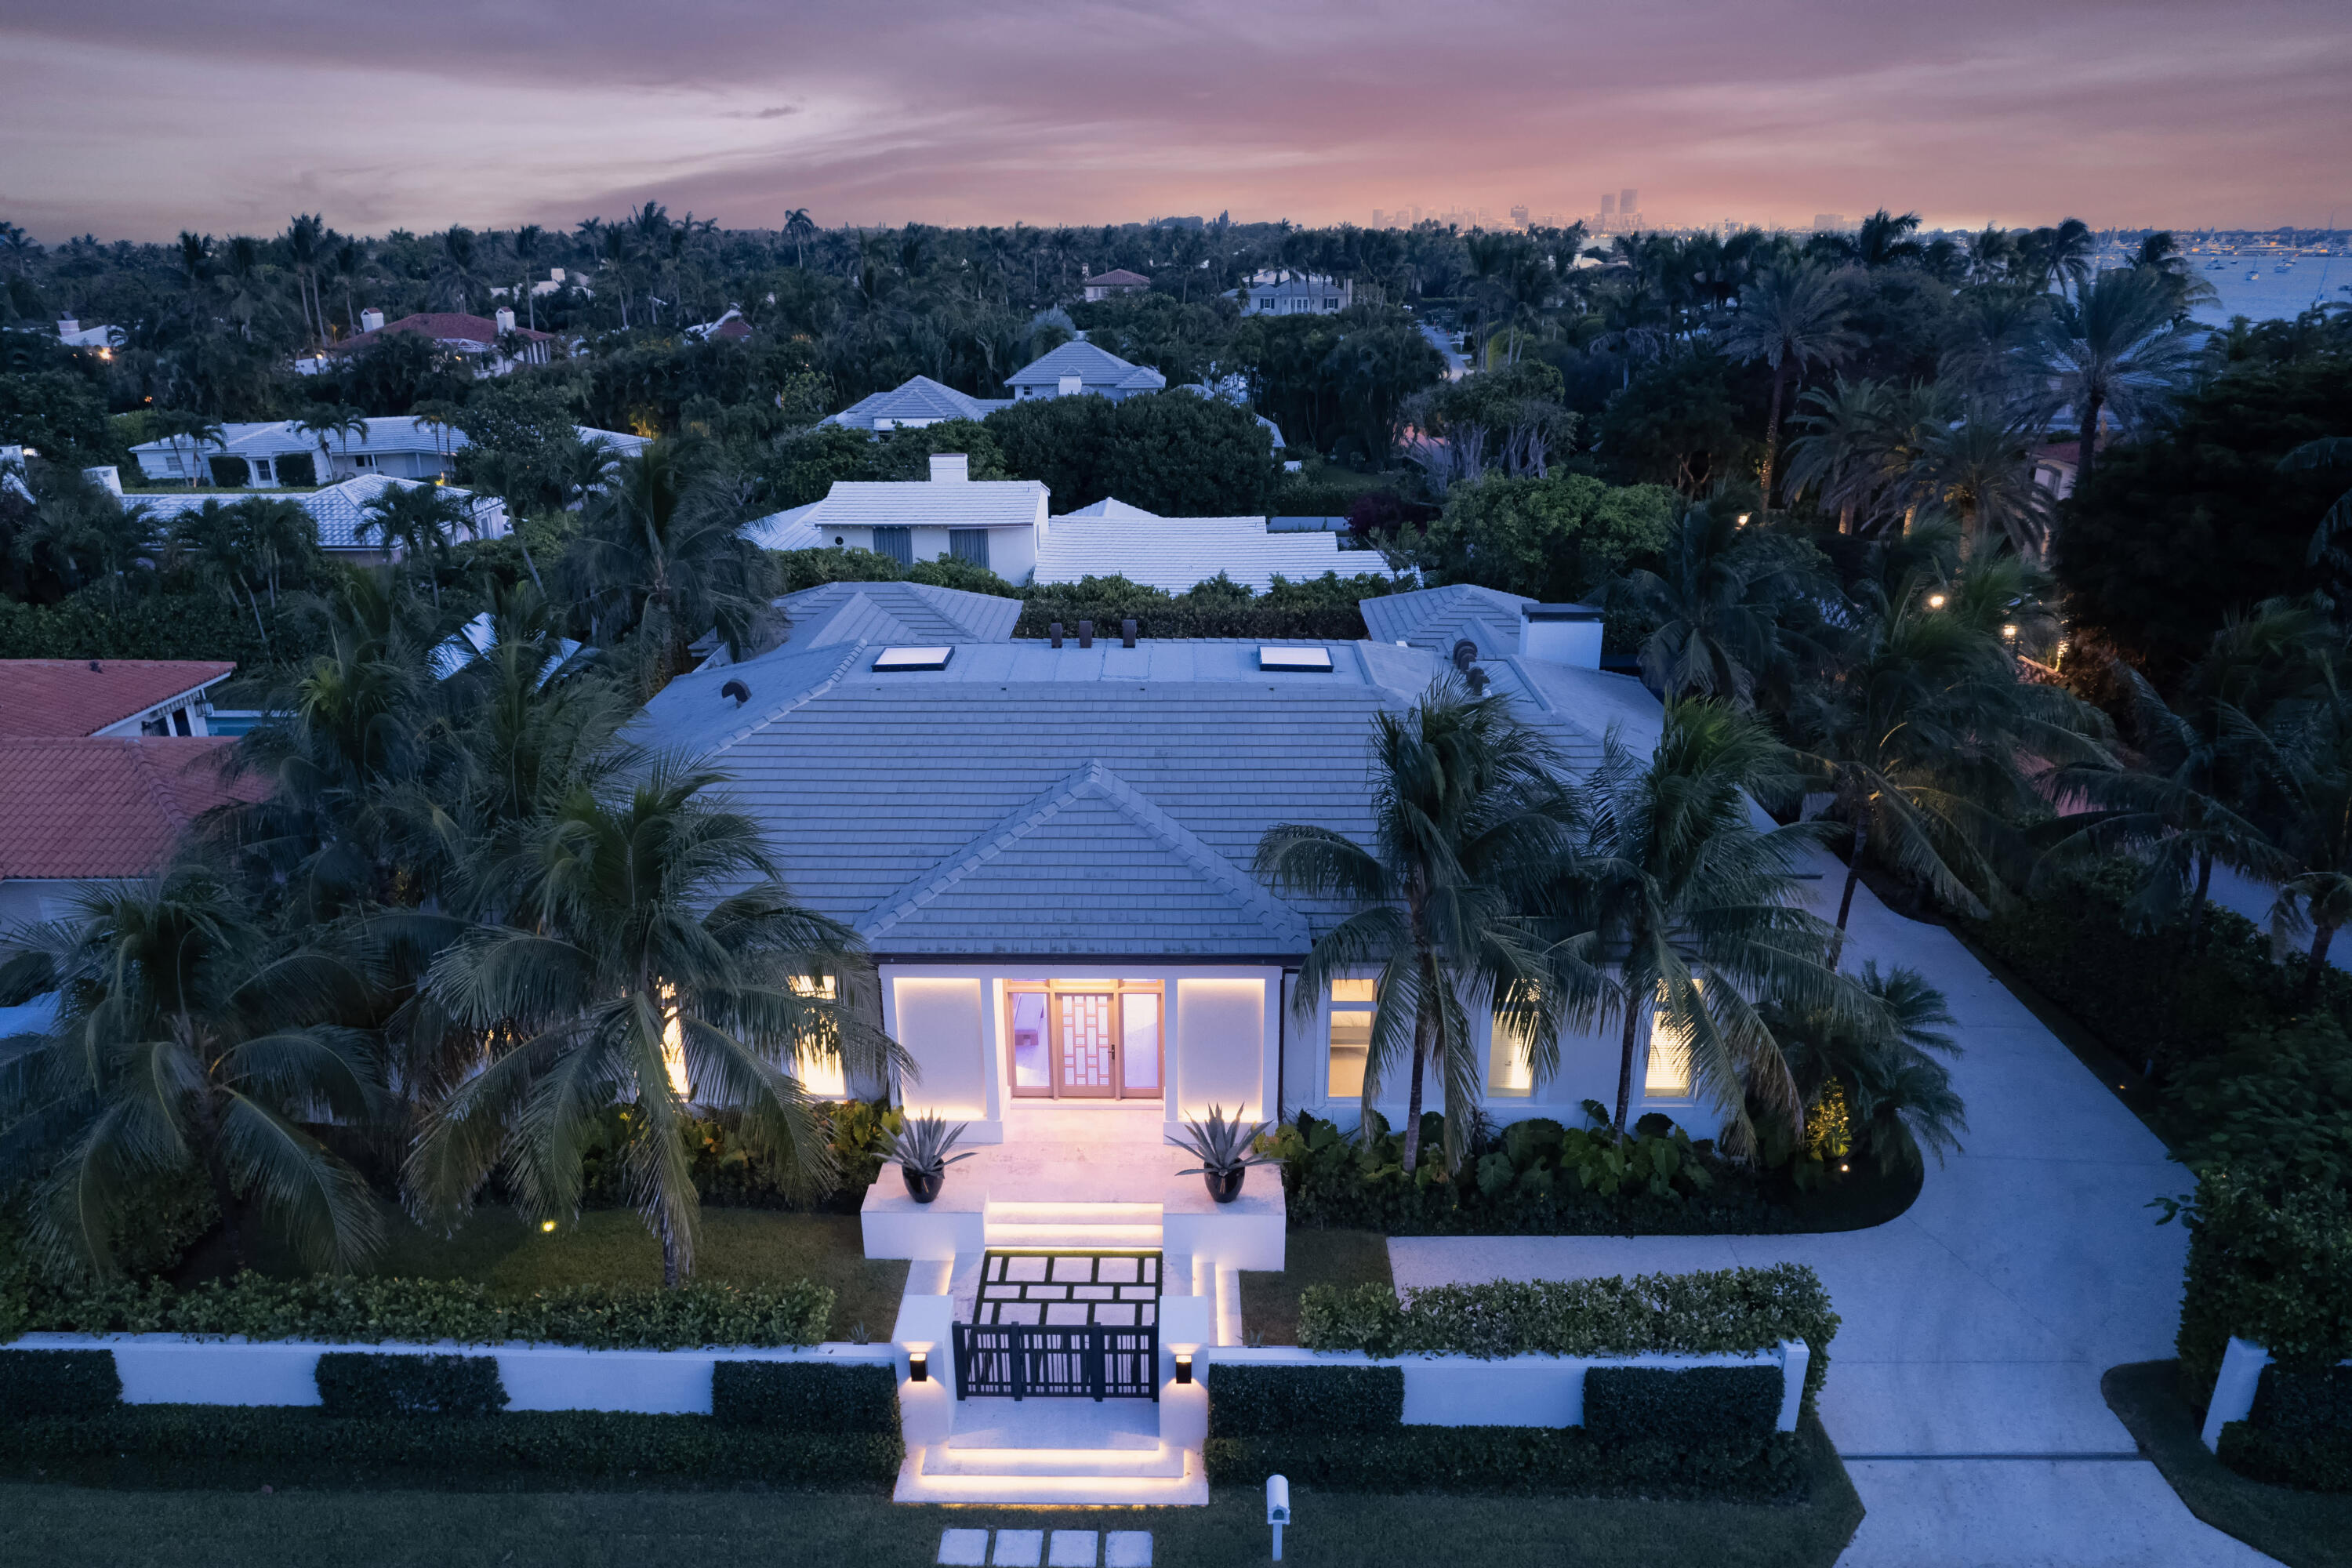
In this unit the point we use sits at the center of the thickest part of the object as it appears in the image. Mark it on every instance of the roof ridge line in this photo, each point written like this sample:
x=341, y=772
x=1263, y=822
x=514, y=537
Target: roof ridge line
x=840, y=667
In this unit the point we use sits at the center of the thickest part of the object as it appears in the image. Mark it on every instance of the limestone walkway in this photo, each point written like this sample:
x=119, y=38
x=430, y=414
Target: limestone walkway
x=1964, y=1384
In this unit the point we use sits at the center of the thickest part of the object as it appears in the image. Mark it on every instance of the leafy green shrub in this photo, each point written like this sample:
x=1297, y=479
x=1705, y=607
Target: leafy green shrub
x=2316, y=1462
x=2278, y=1099
x=356, y=1383
x=728, y=1174
x=1324, y=607
x=1723, y=1310
x=35, y=1383
x=1685, y=1406
x=804, y=1396
x=372, y=1312
x=1537, y=1178
x=550, y=1446
x=2271, y=1264
x=1564, y=1459
x=2306, y=1403
x=164, y=626
x=1247, y=1401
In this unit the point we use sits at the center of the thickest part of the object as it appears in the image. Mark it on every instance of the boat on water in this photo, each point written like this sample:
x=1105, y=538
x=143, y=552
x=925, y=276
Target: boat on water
x=2251, y=276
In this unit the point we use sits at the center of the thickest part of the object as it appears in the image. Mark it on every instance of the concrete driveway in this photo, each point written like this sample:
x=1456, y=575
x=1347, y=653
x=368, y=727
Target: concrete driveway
x=1964, y=1384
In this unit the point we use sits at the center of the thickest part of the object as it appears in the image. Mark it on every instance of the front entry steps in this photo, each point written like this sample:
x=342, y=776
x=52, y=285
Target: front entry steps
x=1078, y=1227
x=1053, y=1451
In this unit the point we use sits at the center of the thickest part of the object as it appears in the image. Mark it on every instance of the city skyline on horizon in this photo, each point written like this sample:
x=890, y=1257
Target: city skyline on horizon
x=132, y=119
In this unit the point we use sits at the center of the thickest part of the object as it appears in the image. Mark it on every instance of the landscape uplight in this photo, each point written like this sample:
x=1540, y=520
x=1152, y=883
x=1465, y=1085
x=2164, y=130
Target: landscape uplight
x=547, y=1227
x=2010, y=631
x=1742, y=522
x=1935, y=601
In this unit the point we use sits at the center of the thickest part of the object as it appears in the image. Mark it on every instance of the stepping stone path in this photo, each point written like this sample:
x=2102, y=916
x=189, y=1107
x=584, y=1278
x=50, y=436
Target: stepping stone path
x=1029, y=1549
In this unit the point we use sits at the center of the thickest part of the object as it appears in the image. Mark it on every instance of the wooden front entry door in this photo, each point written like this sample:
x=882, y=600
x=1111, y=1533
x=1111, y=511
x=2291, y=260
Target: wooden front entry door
x=1086, y=1051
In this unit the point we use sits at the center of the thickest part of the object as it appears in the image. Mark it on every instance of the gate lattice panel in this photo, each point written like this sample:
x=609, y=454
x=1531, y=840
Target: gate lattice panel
x=1018, y=1360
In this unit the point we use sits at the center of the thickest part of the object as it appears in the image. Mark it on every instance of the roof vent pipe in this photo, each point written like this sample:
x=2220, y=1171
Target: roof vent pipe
x=1085, y=634
x=371, y=321
x=1126, y=633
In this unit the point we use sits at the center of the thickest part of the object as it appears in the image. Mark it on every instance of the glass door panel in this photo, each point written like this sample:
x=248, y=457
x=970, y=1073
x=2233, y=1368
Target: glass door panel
x=1138, y=1052
x=1033, y=1059
x=1087, y=1062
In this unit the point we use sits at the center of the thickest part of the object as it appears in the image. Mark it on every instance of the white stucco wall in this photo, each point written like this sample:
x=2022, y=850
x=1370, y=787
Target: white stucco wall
x=940, y=1019
x=1220, y=1039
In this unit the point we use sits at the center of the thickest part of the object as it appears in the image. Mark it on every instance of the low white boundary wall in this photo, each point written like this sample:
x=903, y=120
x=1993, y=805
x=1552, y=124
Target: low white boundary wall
x=1521, y=1390
x=2234, y=1391
x=168, y=1369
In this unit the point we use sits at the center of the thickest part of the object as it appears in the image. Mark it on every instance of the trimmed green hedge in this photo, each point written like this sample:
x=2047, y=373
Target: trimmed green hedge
x=1685, y=1406
x=2270, y=1264
x=35, y=1383
x=469, y=1452
x=359, y=1382
x=1511, y=1458
x=2299, y=1433
x=372, y=1312
x=1248, y=1401
x=804, y=1396
x=1723, y=1310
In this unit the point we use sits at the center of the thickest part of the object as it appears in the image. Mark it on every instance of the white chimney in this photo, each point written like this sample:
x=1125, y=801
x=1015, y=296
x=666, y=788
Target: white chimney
x=67, y=326
x=1561, y=634
x=950, y=468
x=555, y=275
x=1072, y=386
x=506, y=319
x=371, y=321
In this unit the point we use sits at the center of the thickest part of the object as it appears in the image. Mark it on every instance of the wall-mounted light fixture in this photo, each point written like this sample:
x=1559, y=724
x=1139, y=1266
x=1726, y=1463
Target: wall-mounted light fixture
x=2010, y=631
x=1183, y=1366
x=918, y=1366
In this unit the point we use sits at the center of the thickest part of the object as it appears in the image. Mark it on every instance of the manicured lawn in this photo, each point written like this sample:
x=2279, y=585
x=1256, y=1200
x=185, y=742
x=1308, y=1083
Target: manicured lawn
x=2303, y=1530
x=608, y=1246
x=1270, y=1300
x=66, y=1527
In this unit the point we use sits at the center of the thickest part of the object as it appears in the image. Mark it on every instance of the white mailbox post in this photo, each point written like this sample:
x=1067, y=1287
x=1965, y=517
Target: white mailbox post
x=1277, y=1508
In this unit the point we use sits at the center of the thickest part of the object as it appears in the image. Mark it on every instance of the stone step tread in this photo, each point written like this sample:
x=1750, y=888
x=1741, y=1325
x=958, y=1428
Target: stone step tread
x=1089, y=1211
x=1164, y=1461
x=1118, y=1237
x=1190, y=1490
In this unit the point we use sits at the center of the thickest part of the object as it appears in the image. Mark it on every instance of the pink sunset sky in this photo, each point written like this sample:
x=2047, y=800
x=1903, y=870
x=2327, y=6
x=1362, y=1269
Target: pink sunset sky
x=132, y=119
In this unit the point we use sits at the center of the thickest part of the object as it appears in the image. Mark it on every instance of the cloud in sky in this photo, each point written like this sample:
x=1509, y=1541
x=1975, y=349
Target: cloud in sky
x=135, y=118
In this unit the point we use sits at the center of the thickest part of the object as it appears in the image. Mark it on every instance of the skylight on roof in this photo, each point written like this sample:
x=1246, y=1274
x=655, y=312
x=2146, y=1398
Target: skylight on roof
x=891, y=658
x=1316, y=659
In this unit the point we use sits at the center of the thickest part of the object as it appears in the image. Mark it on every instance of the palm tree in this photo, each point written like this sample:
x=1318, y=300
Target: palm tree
x=188, y=1046
x=197, y=430
x=662, y=551
x=1715, y=603
x=799, y=229
x=1923, y=731
x=1899, y=1097
x=456, y=275
x=528, y=242
x=1471, y=825
x=625, y=976
x=305, y=244
x=2327, y=452
x=418, y=518
x=1980, y=470
x=1695, y=910
x=1789, y=317
x=2056, y=257
x=325, y=423
x=2302, y=765
x=347, y=263
x=1843, y=454
x=2119, y=347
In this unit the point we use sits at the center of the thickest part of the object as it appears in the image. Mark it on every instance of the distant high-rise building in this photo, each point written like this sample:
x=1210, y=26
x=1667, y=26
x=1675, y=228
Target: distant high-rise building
x=1608, y=206
x=1628, y=202
x=1520, y=216
x=1828, y=223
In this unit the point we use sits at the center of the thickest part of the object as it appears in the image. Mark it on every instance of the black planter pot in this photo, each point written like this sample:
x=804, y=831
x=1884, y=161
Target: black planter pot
x=923, y=1185
x=1224, y=1185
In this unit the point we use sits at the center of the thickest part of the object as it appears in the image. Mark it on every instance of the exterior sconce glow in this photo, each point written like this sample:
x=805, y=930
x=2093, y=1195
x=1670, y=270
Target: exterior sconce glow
x=2010, y=631
x=918, y=1366
x=1184, y=1366
x=1742, y=520
x=1935, y=601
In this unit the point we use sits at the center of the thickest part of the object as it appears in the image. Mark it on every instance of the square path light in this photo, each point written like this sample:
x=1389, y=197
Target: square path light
x=963, y=1548
x=1072, y=1549
x=1127, y=1549
x=1019, y=1548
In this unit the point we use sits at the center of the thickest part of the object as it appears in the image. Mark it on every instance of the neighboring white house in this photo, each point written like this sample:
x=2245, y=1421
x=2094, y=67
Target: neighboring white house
x=74, y=335
x=1048, y=850
x=1102, y=285
x=400, y=448
x=1002, y=524
x=339, y=509
x=1081, y=367
x=1286, y=293
x=913, y=403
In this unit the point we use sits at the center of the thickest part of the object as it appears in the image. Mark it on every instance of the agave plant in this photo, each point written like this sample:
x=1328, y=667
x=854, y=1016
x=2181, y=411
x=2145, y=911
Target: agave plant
x=1225, y=1146
x=920, y=1147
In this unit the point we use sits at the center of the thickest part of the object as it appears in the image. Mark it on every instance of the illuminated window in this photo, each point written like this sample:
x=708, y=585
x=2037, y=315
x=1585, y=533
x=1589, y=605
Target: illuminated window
x=1351, y=1035
x=1667, y=1075
x=818, y=1068
x=1510, y=1075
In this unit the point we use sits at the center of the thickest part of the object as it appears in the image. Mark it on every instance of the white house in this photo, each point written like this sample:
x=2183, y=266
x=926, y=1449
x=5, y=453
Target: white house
x=496, y=345
x=1101, y=286
x=401, y=447
x=74, y=335
x=1081, y=367
x=913, y=403
x=339, y=509
x=1002, y=524
x=1048, y=850
x=1287, y=294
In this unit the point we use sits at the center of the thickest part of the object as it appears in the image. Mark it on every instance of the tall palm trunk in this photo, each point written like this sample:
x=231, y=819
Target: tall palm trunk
x=1861, y=843
x=206, y=1121
x=2197, y=904
x=1627, y=1049
x=1420, y=1037
x=1772, y=431
x=2084, y=454
x=2323, y=932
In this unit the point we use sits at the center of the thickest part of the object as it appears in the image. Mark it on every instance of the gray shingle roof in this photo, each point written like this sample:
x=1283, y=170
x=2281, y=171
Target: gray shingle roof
x=918, y=397
x=338, y=509
x=896, y=612
x=1098, y=370
x=960, y=503
x=1436, y=619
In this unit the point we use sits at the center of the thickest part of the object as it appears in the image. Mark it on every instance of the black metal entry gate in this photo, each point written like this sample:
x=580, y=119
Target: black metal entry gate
x=1089, y=1362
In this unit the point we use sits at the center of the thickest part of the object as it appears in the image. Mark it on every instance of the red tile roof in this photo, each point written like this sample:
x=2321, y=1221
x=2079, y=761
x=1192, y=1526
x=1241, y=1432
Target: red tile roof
x=442, y=326
x=107, y=808
x=80, y=696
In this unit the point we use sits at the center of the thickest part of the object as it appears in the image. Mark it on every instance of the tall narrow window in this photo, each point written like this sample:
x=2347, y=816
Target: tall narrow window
x=817, y=1064
x=898, y=543
x=1351, y=1035
x=1138, y=1046
x=1509, y=1073
x=1667, y=1074
x=1032, y=1063
x=969, y=544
